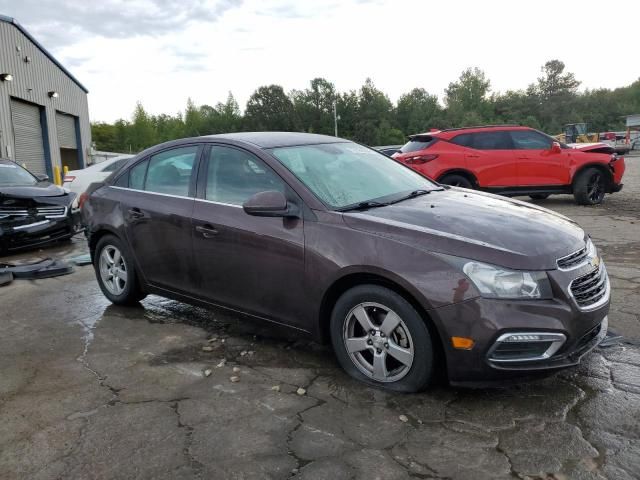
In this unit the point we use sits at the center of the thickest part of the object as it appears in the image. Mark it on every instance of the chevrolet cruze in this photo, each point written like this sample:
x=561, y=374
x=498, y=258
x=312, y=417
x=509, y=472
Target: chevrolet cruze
x=405, y=277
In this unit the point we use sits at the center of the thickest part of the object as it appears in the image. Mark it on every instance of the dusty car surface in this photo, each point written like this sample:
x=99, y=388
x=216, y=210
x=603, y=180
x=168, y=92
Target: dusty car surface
x=33, y=211
x=404, y=276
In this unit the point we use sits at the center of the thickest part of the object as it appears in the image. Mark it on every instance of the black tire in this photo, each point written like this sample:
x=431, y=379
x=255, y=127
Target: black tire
x=539, y=196
x=456, y=180
x=590, y=186
x=411, y=334
x=130, y=292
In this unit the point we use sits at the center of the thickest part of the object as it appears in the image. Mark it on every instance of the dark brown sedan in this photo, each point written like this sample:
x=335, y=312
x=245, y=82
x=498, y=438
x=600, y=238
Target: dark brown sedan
x=404, y=276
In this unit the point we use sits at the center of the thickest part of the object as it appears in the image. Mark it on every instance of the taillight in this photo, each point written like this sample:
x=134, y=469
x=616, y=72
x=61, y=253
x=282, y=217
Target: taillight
x=69, y=178
x=420, y=159
x=82, y=198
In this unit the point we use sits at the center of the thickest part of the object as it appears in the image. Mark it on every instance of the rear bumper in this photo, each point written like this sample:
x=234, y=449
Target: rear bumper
x=616, y=187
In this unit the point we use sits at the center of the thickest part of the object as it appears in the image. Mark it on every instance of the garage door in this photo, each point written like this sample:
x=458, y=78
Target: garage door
x=27, y=132
x=66, y=126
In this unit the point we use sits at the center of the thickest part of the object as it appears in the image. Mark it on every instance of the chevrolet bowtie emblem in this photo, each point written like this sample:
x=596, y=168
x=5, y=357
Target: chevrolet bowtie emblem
x=595, y=262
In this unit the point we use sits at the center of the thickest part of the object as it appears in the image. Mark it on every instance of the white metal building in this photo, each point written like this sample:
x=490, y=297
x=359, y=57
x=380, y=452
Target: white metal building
x=44, y=116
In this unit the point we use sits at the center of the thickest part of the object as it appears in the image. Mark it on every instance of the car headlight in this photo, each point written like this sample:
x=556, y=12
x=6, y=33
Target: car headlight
x=498, y=282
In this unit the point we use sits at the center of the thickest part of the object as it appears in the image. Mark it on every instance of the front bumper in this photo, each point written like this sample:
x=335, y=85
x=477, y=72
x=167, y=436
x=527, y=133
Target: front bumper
x=487, y=321
x=34, y=232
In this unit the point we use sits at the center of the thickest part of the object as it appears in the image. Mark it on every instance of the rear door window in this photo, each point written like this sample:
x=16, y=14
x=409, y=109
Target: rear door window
x=170, y=172
x=464, y=140
x=529, y=140
x=418, y=143
x=491, y=141
x=137, y=175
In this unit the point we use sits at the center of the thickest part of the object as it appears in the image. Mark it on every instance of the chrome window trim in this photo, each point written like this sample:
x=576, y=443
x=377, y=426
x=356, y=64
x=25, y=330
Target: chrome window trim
x=556, y=339
x=174, y=196
x=605, y=298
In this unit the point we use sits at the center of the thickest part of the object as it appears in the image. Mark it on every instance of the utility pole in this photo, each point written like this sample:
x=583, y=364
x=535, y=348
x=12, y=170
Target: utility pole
x=335, y=117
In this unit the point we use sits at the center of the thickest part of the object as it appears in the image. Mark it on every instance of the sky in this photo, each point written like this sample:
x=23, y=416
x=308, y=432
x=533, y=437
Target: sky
x=162, y=52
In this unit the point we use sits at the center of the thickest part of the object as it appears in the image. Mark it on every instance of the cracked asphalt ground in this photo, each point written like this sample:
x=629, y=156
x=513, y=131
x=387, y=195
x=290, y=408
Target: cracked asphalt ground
x=89, y=390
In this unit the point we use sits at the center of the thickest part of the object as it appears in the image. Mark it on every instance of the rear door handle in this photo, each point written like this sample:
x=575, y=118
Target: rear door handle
x=472, y=156
x=135, y=213
x=207, y=231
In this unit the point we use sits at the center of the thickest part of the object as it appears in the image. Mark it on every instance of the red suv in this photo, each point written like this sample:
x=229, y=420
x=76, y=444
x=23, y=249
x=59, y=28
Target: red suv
x=513, y=160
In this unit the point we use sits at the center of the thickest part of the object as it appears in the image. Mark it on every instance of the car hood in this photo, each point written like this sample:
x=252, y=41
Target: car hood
x=476, y=225
x=43, y=189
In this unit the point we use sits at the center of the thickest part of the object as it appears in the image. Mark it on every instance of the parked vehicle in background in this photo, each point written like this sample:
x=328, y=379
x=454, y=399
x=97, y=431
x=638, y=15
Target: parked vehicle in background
x=33, y=211
x=77, y=181
x=617, y=140
x=404, y=276
x=513, y=160
x=388, y=150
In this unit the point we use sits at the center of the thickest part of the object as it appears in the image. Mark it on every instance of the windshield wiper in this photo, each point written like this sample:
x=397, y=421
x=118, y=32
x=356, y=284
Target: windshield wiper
x=414, y=194
x=362, y=206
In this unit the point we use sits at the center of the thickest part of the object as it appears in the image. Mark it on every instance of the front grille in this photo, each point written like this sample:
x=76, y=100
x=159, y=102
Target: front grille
x=570, y=261
x=13, y=212
x=53, y=211
x=589, y=289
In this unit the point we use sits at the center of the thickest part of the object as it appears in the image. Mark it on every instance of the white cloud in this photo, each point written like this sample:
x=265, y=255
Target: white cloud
x=162, y=52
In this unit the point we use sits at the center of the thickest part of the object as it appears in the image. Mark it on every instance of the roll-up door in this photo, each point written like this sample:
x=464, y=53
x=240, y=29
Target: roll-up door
x=66, y=126
x=27, y=133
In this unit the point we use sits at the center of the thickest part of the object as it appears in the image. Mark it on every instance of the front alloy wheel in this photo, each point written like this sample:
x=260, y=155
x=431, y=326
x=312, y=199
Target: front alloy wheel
x=380, y=338
x=378, y=342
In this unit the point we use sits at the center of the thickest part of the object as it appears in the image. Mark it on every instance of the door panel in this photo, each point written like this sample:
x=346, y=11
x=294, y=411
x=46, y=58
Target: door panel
x=157, y=207
x=537, y=164
x=490, y=156
x=254, y=264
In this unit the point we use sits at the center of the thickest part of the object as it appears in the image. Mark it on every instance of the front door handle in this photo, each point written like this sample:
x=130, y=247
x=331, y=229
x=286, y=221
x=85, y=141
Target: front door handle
x=207, y=231
x=470, y=155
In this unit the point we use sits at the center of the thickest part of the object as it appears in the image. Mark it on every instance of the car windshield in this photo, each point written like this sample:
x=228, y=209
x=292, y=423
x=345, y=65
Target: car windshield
x=12, y=175
x=342, y=175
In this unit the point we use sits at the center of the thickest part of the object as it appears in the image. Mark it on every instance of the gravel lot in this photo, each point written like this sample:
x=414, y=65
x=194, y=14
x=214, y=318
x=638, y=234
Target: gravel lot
x=89, y=390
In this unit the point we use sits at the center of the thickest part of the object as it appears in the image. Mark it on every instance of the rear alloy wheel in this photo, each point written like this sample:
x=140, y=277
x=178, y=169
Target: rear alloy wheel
x=590, y=187
x=539, y=196
x=115, y=272
x=381, y=339
x=456, y=180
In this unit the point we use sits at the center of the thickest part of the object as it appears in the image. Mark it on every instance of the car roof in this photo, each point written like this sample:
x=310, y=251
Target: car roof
x=277, y=139
x=452, y=132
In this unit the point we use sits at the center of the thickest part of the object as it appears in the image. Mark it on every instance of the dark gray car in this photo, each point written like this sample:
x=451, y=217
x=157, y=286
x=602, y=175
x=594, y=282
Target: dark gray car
x=404, y=276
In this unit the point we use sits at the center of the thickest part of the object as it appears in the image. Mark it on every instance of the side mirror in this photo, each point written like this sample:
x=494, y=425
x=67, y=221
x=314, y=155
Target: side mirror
x=269, y=204
x=41, y=177
x=556, y=147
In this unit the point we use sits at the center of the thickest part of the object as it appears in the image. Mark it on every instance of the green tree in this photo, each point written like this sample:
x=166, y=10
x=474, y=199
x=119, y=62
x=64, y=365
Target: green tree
x=373, y=122
x=314, y=106
x=142, y=133
x=418, y=111
x=468, y=95
x=269, y=108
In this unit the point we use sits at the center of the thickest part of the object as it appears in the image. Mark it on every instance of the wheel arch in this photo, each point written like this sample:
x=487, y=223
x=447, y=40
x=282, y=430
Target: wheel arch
x=350, y=280
x=460, y=171
x=100, y=232
x=604, y=168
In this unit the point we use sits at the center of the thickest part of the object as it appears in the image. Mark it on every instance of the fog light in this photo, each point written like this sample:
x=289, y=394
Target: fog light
x=526, y=346
x=462, y=343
